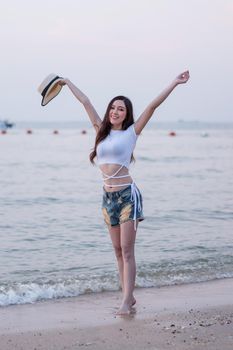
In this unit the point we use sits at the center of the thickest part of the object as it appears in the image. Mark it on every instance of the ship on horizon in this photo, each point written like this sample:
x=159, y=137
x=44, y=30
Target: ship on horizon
x=5, y=124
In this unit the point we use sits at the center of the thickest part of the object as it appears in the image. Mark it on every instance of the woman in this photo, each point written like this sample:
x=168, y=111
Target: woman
x=116, y=137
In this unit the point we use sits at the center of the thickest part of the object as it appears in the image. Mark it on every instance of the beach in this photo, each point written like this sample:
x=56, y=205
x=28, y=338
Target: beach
x=54, y=242
x=59, y=285
x=191, y=316
x=148, y=86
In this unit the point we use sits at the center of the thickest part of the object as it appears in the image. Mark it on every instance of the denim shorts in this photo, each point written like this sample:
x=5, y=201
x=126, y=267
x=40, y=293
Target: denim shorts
x=118, y=207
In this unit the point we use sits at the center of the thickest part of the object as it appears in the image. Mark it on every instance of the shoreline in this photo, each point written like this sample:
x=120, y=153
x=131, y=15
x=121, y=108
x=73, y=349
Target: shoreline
x=188, y=316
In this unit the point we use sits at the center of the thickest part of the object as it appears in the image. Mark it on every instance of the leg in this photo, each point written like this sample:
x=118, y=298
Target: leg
x=116, y=242
x=128, y=235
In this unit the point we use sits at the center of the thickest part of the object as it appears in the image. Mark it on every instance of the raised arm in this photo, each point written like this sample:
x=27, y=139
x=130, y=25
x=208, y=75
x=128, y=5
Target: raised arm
x=93, y=115
x=148, y=112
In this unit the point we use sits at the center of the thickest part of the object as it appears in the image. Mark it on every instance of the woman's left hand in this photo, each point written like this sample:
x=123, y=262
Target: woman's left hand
x=182, y=78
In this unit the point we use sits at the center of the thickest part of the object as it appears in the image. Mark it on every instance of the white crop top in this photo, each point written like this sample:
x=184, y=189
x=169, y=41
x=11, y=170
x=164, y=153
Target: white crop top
x=117, y=147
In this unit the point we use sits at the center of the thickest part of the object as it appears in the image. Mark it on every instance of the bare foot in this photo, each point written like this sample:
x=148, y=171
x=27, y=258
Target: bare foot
x=125, y=308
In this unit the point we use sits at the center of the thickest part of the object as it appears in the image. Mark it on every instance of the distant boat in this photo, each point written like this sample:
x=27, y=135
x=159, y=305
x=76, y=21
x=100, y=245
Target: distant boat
x=4, y=124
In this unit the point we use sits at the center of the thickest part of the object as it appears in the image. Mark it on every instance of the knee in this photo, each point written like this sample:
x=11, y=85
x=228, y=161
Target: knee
x=127, y=253
x=118, y=252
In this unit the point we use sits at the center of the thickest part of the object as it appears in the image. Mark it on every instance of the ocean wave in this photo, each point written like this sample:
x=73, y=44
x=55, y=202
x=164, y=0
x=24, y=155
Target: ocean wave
x=23, y=293
x=148, y=275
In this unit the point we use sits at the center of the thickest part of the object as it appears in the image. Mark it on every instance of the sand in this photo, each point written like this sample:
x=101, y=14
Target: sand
x=192, y=316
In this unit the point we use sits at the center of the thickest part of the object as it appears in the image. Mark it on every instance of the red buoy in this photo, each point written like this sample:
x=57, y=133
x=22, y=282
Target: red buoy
x=172, y=133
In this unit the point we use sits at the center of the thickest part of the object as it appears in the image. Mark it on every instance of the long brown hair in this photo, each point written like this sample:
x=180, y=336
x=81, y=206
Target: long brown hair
x=106, y=126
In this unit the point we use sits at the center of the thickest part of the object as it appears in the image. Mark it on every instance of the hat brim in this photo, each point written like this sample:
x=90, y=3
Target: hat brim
x=51, y=92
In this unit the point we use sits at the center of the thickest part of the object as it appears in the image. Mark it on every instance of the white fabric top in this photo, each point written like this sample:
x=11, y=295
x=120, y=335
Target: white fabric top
x=117, y=147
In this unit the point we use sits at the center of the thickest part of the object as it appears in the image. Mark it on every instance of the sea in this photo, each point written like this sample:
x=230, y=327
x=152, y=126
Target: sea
x=53, y=240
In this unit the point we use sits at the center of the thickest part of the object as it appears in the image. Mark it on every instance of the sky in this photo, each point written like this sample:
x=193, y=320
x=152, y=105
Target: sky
x=130, y=47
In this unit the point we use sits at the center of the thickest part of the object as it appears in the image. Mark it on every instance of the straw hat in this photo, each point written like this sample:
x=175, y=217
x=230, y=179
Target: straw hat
x=49, y=88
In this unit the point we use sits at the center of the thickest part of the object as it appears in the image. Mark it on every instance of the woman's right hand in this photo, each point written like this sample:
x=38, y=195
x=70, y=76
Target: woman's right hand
x=62, y=82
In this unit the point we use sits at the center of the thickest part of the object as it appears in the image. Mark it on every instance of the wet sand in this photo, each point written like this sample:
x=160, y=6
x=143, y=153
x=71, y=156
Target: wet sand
x=193, y=316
